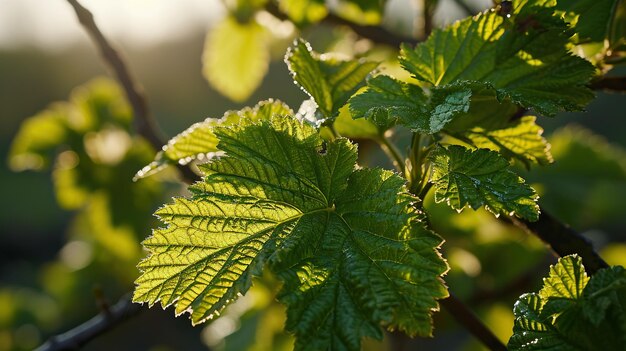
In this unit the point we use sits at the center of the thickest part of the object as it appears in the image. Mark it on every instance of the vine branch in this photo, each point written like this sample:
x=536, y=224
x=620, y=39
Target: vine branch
x=109, y=318
x=143, y=120
x=562, y=239
x=610, y=84
x=464, y=316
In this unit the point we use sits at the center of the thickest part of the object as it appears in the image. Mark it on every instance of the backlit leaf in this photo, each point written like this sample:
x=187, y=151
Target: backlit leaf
x=328, y=80
x=520, y=140
x=480, y=178
x=236, y=57
x=351, y=249
x=199, y=142
x=523, y=58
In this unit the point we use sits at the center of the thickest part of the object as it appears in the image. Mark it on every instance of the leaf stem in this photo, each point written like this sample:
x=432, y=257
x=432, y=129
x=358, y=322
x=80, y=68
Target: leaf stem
x=393, y=153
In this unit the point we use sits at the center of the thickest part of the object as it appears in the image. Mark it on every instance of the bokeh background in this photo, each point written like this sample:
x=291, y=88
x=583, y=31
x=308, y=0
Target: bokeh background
x=69, y=243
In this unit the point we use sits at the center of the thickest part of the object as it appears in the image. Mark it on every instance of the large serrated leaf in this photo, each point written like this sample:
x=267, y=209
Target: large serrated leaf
x=523, y=58
x=328, y=80
x=236, y=57
x=480, y=178
x=572, y=311
x=351, y=249
x=198, y=142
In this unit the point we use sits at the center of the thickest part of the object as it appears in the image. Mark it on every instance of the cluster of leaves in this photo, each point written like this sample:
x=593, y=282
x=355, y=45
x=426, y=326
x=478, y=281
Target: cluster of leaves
x=352, y=246
x=89, y=144
x=573, y=311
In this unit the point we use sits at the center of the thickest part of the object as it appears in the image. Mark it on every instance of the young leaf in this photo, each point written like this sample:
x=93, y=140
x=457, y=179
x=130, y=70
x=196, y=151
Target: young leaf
x=521, y=140
x=524, y=59
x=480, y=178
x=199, y=142
x=388, y=101
x=573, y=312
x=329, y=81
x=236, y=57
x=351, y=249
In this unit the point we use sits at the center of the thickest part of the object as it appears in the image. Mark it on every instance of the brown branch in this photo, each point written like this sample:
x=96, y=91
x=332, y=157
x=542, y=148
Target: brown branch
x=610, y=84
x=106, y=320
x=377, y=34
x=428, y=14
x=464, y=316
x=143, y=120
x=562, y=239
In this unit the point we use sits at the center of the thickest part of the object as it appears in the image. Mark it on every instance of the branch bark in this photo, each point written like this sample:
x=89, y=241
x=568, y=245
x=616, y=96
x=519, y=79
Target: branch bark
x=106, y=320
x=464, y=316
x=562, y=239
x=610, y=84
x=143, y=120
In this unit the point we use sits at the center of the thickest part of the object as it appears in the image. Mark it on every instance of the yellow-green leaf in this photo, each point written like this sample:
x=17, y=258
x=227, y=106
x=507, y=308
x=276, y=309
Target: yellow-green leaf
x=352, y=251
x=236, y=57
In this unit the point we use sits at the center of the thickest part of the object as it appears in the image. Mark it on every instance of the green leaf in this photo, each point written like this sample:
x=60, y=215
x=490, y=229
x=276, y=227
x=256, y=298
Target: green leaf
x=328, y=80
x=199, y=142
x=523, y=59
x=236, y=57
x=350, y=247
x=365, y=12
x=38, y=139
x=355, y=128
x=388, y=101
x=573, y=312
x=304, y=12
x=480, y=178
x=591, y=19
x=520, y=140
x=86, y=140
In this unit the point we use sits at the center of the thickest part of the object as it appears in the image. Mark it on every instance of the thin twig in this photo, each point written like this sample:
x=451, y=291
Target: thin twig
x=464, y=316
x=428, y=14
x=79, y=336
x=377, y=34
x=143, y=120
x=562, y=239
